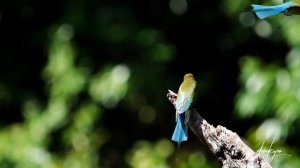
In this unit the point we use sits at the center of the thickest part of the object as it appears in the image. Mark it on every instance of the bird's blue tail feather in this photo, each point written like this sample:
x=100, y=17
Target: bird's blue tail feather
x=263, y=11
x=180, y=132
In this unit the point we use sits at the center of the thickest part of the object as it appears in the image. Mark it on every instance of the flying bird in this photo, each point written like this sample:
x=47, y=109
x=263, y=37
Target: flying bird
x=288, y=7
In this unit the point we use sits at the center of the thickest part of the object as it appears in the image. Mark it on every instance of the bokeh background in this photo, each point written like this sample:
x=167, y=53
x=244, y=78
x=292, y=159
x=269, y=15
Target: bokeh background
x=83, y=83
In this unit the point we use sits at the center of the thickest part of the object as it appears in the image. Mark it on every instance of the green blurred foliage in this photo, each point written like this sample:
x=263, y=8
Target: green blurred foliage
x=27, y=144
x=270, y=93
x=144, y=154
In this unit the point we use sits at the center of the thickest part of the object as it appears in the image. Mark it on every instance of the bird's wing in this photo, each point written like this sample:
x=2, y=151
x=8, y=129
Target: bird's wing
x=185, y=96
x=183, y=103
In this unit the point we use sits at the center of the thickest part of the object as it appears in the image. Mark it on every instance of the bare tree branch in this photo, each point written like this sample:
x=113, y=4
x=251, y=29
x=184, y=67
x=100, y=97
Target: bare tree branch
x=226, y=145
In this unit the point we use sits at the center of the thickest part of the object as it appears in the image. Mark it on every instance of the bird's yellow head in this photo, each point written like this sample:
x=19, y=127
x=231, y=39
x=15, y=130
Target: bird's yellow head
x=188, y=76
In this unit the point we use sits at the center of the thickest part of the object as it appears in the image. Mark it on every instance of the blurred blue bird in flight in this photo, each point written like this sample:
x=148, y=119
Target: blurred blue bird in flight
x=183, y=102
x=288, y=7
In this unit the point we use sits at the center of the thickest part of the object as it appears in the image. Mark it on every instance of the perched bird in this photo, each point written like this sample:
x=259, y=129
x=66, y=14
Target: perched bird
x=184, y=100
x=289, y=7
